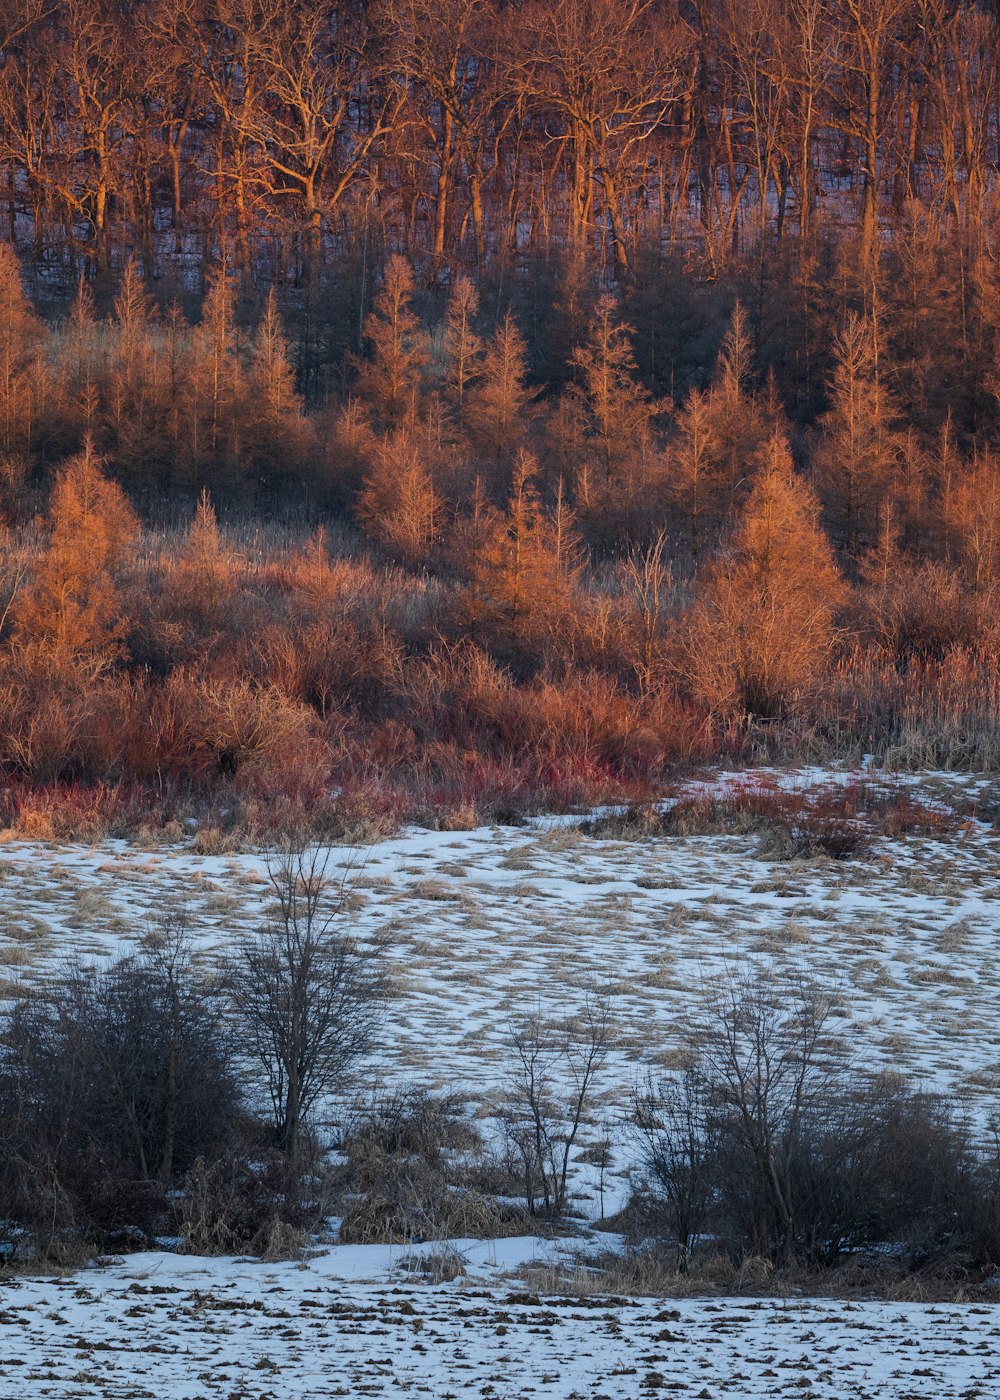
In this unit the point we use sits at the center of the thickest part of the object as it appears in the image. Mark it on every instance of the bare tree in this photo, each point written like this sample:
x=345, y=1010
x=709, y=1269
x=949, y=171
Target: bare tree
x=610, y=72
x=307, y=1000
x=678, y=1130
x=760, y=1042
x=555, y=1070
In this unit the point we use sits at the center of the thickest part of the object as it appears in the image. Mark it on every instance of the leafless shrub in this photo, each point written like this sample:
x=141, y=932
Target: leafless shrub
x=306, y=999
x=554, y=1074
x=766, y=1144
x=441, y=1265
x=679, y=1148
x=110, y=1087
x=239, y=1203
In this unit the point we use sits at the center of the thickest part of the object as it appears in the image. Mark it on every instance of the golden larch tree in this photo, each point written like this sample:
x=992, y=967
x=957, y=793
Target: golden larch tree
x=524, y=573
x=72, y=606
x=498, y=409
x=20, y=340
x=399, y=504
x=203, y=579
x=762, y=626
x=390, y=380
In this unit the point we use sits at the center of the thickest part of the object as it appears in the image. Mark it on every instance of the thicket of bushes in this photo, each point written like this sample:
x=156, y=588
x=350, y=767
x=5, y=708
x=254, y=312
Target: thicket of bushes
x=154, y=1102
x=158, y=1098
x=120, y=1106
x=840, y=821
x=768, y=1145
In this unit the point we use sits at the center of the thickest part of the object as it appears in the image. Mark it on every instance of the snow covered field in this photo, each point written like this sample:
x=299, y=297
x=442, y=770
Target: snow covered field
x=481, y=926
x=162, y=1328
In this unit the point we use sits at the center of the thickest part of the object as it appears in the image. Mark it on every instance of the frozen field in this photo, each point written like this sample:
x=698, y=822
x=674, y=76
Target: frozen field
x=482, y=925
x=163, y=1328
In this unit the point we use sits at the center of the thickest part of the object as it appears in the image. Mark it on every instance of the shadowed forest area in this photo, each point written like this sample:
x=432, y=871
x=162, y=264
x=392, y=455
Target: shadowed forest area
x=438, y=411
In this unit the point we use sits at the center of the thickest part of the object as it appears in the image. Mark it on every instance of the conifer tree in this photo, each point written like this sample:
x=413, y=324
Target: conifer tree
x=216, y=386
x=399, y=505
x=463, y=348
x=857, y=457
x=762, y=624
x=203, y=579
x=619, y=408
x=721, y=432
x=498, y=408
x=72, y=609
x=390, y=379
x=697, y=485
x=523, y=575
x=78, y=373
x=20, y=341
x=970, y=520
x=132, y=411
x=279, y=436
x=740, y=426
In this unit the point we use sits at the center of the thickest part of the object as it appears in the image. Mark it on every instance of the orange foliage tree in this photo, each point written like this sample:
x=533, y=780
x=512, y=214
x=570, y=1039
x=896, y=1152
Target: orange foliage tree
x=399, y=504
x=524, y=573
x=761, y=629
x=72, y=608
x=390, y=380
x=203, y=579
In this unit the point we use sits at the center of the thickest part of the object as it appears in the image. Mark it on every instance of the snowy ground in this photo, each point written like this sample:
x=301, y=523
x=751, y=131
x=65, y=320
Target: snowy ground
x=163, y=1328
x=484, y=925
x=478, y=927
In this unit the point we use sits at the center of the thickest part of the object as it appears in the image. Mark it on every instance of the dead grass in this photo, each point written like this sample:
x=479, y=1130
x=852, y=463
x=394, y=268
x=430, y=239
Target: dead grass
x=435, y=889
x=213, y=841
x=652, y=1271
x=837, y=821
